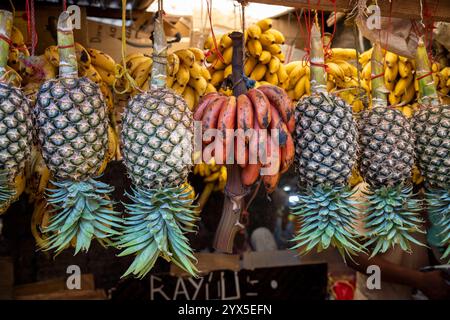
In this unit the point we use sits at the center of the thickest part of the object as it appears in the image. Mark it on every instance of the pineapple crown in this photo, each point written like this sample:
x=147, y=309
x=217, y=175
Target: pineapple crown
x=327, y=216
x=81, y=211
x=438, y=201
x=155, y=225
x=392, y=213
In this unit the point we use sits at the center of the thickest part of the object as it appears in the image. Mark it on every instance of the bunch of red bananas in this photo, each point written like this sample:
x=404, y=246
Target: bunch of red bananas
x=255, y=132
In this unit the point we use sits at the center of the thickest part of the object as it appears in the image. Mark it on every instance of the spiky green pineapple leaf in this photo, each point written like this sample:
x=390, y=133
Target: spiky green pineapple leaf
x=438, y=201
x=155, y=225
x=392, y=214
x=327, y=218
x=81, y=210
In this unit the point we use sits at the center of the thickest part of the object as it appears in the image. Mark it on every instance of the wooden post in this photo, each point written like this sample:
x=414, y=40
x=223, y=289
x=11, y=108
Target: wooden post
x=234, y=190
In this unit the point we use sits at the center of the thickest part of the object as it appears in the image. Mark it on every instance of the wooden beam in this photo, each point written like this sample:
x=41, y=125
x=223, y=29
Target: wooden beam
x=407, y=9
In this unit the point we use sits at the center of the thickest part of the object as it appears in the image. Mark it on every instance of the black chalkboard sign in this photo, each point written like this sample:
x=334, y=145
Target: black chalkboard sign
x=298, y=282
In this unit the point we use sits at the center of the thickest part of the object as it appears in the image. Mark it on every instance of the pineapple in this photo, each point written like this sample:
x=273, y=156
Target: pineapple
x=72, y=123
x=432, y=129
x=387, y=158
x=326, y=151
x=157, y=138
x=15, y=123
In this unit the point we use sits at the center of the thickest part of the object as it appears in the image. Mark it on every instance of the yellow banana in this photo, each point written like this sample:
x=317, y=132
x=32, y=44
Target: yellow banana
x=182, y=75
x=279, y=37
x=227, y=55
x=391, y=59
x=16, y=37
x=135, y=62
x=291, y=65
x=390, y=73
x=254, y=31
x=249, y=65
x=274, y=49
x=217, y=78
x=265, y=57
x=274, y=65
x=83, y=56
x=205, y=73
x=225, y=42
x=189, y=97
x=209, y=43
x=402, y=84
x=102, y=60
x=300, y=87
x=106, y=76
x=272, y=78
x=177, y=88
x=335, y=70
x=267, y=39
x=228, y=70
x=173, y=64
x=254, y=48
x=195, y=71
x=92, y=74
x=298, y=72
x=199, y=85
x=198, y=53
x=259, y=72
x=404, y=68
x=52, y=55
x=343, y=54
x=282, y=74
x=142, y=72
x=210, y=88
x=186, y=56
x=265, y=24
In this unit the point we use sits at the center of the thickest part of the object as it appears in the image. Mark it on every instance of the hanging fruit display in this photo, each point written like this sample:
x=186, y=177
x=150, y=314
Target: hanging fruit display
x=264, y=61
x=387, y=157
x=186, y=74
x=431, y=126
x=15, y=124
x=72, y=128
x=157, y=138
x=261, y=110
x=326, y=151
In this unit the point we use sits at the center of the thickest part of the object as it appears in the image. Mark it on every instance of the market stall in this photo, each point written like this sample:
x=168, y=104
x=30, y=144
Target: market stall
x=224, y=150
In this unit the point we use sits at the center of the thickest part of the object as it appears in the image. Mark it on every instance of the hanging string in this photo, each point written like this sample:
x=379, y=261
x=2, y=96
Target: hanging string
x=34, y=35
x=244, y=47
x=216, y=48
x=13, y=8
x=64, y=3
x=121, y=71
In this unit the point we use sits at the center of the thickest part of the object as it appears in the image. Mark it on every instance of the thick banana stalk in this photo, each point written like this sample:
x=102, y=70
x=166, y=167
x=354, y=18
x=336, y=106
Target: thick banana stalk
x=318, y=75
x=427, y=89
x=379, y=97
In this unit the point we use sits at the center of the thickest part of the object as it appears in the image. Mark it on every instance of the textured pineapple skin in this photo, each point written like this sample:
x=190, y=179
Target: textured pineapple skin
x=15, y=130
x=432, y=129
x=72, y=127
x=326, y=140
x=157, y=136
x=387, y=147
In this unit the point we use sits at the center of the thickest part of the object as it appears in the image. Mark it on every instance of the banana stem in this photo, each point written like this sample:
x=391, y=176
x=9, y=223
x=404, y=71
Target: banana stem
x=6, y=21
x=318, y=74
x=427, y=89
x=68, y=67
x=379, y=96
x=234, y=190
x=159, y=73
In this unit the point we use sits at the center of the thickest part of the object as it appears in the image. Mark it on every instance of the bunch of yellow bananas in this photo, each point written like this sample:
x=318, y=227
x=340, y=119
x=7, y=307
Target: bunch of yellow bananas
x=398, y=78
x=264, y=57
x=186, y=73
x=215, y=179
x=341, y=73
